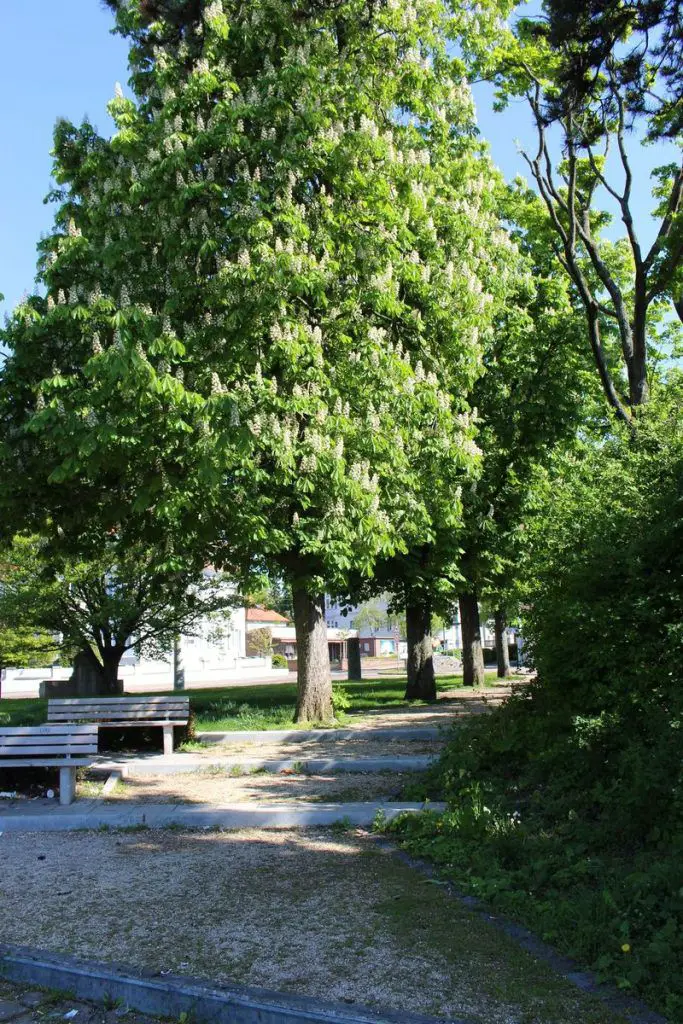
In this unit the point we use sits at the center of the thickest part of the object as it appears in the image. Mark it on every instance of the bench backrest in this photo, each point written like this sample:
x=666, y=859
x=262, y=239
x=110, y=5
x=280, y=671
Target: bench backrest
x=52, y=741
x=119, y=709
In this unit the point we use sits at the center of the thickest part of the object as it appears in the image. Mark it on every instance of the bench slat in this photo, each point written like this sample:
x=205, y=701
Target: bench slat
x=157, y=723
x=83, y=729
x=127, y=723
x=46, y=748
x=123, y=712
x=115, y=701
x=55, y=738
x=54, y=762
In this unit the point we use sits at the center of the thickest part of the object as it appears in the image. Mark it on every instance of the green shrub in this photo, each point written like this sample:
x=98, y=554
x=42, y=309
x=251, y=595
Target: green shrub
x=341, y=700
x=565, y=806
x=279, y=661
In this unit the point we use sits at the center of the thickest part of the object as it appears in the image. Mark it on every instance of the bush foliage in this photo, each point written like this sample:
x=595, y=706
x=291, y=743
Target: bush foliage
x=565, y=807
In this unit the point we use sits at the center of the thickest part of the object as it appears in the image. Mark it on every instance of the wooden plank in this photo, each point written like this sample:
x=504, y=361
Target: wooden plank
x=83, y=717
x=114, y=701
x=33, y=751
x=47, y=763
x=120, y=709
x=130, y=709
x=85, y=729
x=14, y=742
x=127, y=724
x=135, y=720
x=180, y=705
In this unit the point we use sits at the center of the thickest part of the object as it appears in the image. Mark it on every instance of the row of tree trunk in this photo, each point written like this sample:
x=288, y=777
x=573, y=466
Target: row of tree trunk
x=314, y=688
x=314, y=702
x=420, y=667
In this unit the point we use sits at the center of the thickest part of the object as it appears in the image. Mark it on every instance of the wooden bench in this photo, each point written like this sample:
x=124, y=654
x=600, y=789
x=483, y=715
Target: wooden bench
x=50, y=746
x=124, y=712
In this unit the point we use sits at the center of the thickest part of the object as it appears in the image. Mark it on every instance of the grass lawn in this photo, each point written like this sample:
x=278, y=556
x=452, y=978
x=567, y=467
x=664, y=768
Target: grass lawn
x=266, y=706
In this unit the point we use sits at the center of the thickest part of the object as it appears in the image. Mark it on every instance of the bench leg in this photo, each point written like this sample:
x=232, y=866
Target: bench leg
x=168, y=740
x=67, y=785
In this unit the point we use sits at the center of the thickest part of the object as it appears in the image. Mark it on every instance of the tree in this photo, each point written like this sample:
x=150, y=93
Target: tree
x=260, y=642
x=23, y=642
x=536, y=391
x=125, y=599
x=264, y=294
x=599, y=73
x=370, y=616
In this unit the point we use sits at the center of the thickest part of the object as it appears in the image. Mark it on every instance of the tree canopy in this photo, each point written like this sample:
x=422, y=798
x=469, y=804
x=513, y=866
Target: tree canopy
x=266, y=294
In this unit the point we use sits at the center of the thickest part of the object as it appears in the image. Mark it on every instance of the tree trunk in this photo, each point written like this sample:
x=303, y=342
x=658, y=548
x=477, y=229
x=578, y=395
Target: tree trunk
x=420, y=666
x=94, y=678
x=502, y=652
x=314, y=683
x=472, y=653
x=110, y=672
x=178, y=668
x=353, y=655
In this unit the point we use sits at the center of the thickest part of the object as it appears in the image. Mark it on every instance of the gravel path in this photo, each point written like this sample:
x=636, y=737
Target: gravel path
x=222, y=788
x=327, y=746
x=313, y=912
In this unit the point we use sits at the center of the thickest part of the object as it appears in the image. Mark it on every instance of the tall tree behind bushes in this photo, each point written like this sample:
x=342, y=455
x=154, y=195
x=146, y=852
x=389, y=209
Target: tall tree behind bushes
x=602, y=76
x=536, y=390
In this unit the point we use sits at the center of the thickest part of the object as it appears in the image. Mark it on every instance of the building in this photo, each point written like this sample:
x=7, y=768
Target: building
x=215, y=654
x=381, y=643
x=264, y=618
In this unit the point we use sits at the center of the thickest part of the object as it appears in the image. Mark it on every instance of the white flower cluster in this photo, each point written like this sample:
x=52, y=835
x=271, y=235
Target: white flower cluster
x=213, y=11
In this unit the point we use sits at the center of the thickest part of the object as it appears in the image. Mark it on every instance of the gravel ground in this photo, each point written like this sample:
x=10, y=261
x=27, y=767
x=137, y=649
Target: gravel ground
x=220, y=788
x=21, y=1004
x=313, y=912
x=326, y=746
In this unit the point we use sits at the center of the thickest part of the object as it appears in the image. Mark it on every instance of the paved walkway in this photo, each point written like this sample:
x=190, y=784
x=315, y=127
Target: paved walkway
x=299, y=778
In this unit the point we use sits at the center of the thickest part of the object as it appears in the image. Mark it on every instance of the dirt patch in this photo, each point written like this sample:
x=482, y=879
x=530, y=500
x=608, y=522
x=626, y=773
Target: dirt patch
x=311, y=912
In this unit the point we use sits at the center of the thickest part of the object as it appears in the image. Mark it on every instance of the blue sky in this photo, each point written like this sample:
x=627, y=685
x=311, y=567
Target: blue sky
x=58, y=59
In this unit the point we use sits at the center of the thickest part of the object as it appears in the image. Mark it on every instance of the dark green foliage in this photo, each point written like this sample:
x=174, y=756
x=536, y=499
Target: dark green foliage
x=566, y=806
x=645, y=34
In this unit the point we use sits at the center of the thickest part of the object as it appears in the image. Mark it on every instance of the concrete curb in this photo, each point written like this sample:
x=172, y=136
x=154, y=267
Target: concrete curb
x=158, y=765
x=95, y=815
x=627, y=1006
x=423, y=732
x=173, y=995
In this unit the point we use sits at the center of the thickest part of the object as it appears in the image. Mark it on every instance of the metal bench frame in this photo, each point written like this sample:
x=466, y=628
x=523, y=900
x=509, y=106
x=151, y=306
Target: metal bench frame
x=123, y=712
x=64, y=746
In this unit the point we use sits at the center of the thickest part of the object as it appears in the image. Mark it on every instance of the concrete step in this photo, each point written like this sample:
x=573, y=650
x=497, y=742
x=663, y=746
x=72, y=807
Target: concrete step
x=270, y=736
x=156, y=764
x=93, y=814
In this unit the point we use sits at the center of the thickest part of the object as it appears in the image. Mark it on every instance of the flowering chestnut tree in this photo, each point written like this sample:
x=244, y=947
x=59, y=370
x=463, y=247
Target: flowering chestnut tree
x=265, y=294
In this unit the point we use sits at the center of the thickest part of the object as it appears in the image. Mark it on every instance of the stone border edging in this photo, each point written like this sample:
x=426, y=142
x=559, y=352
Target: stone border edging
x=159, y=765
x=171, y=995
x=628, y=1006
x=295, y=815
x=301, y=735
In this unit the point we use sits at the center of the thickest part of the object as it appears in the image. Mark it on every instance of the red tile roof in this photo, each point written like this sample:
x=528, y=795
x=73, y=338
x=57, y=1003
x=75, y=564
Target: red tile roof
x=264, y=615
